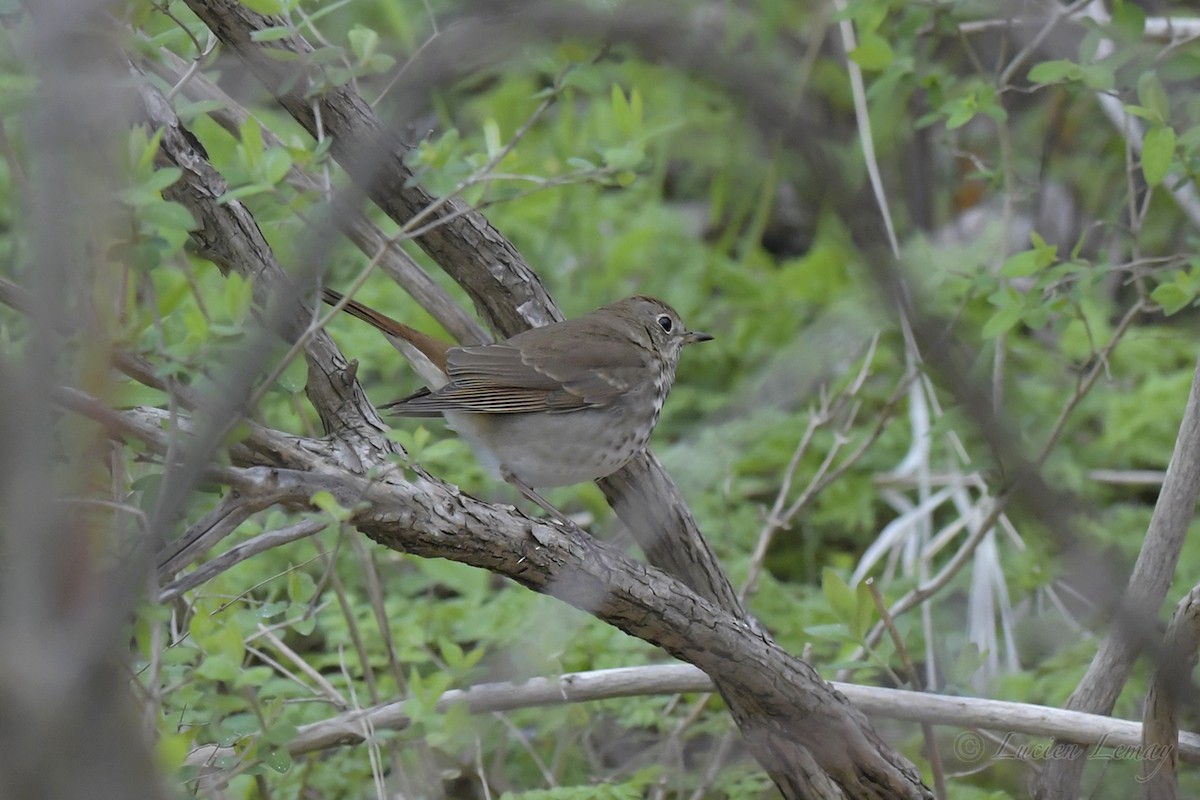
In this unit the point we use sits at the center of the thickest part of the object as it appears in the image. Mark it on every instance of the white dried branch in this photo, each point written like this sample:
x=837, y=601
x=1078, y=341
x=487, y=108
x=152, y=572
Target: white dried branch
x=662, y=679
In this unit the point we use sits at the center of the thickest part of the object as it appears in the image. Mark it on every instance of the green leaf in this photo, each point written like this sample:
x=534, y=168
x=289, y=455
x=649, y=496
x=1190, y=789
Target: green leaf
x=864, y=611
x=627, y=111
x=873, y=53
x=143, y=149
x=1028, y=262
x=1099, y=77
x=169, y=215
x=264, y=6
x=219, y=668
x=294, y=377
x=128, y=394
x=491, y=137
x=363, y=42
x=839, y=632
x=962, y=111
x=1020, y=265
x=1158, y=148
x=452, y=654
x=161, y=179
x=271, y=34
x=623, y=158
x=252, y=141
x=328, y=503
x=1153, y=97
x=1171, y=297
x=275, y=165
x=1054, y=72
x=1002, y=321
x=244, y=191
x=839, y=594
x=620, y=109
x=1143, y=113
x=1129, y=19
x=300, y=586
x=238, y=295
x=145, y=256
x=278, y=760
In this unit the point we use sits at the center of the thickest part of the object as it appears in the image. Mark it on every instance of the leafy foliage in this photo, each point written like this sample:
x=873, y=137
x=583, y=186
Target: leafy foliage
x=1048, y=244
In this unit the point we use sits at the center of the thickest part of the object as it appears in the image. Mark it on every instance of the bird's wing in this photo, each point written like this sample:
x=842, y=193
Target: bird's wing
x=538, y=370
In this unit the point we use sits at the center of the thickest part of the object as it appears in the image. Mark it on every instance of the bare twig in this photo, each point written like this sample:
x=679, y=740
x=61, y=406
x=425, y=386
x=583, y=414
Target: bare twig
x=236, y=555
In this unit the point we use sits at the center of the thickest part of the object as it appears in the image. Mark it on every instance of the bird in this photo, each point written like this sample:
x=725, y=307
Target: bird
x=561, y=404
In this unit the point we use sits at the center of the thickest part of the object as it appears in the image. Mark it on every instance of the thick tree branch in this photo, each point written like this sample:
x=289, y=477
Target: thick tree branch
x=791, y=713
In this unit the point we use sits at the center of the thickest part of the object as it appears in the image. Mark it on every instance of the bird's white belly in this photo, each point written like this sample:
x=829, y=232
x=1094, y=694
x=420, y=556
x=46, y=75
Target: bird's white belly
x=548, y=450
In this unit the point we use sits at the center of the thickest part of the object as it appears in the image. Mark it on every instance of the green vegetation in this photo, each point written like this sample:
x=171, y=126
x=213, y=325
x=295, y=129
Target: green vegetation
x=1048, y=249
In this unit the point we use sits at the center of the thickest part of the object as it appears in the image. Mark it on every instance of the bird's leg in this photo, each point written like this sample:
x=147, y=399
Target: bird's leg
x=529, y=492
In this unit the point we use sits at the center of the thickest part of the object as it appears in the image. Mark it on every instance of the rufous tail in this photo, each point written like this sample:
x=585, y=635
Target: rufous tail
x=431, y=348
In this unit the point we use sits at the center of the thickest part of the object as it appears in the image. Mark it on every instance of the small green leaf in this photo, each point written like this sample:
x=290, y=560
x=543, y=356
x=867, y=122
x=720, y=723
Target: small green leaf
x=452, y=654
x=962, y=111
x=864, y=611
x=294, y=377
x=162, y=178
x=300, y=586
x=145, y=256
x=271, y=34
x=1143, y=113
x=243, y=191
x=363, y=42
x=620, y=109
x=839, y=632
x=128, y=394
x=839, y=594
x=168, y=215
x=1175, y=296
x=145, y=149
x=220, y=667
x=252, y=141
x=1099, y=77
x=278, y=760
x=264, y=6
x=873, y=52
x=1129, y=19
x=1153, y=97
x=280, y=733
x=329, y=504
x=1020, y=265
x=623, y=158
x=491, y=137
x=1009, y=307
x=1054, y=72
x=275, y=165
x=1158, y=148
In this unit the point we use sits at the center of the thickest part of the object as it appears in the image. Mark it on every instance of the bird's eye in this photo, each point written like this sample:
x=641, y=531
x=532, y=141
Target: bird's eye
x=665, y=323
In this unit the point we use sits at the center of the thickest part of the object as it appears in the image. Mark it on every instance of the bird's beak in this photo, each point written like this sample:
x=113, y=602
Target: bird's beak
x=691, y=337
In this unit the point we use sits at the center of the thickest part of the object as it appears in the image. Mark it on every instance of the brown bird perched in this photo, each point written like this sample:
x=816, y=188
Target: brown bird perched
x=565, y=403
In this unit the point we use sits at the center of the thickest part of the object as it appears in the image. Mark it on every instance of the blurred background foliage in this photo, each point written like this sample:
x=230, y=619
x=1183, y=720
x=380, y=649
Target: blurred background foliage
x=1021, y=222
